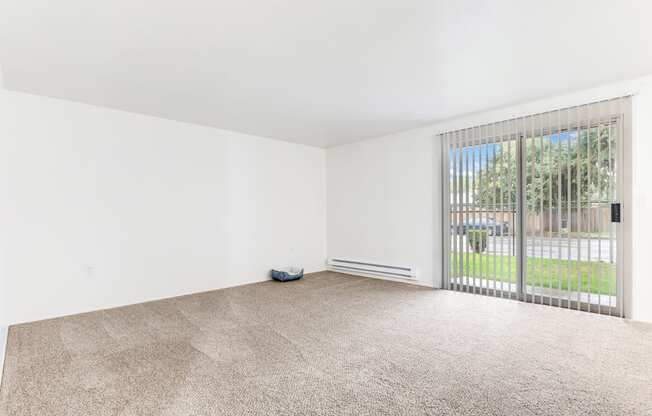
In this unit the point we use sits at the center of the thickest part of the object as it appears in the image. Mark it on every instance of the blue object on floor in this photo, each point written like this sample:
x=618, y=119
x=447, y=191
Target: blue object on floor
x=287, y=275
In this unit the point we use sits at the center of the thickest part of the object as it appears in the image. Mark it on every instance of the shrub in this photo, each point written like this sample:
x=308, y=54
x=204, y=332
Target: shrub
x=477, y=240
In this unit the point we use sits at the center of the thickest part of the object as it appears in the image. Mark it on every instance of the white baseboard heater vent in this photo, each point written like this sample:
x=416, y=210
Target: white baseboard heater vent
x=373, y=268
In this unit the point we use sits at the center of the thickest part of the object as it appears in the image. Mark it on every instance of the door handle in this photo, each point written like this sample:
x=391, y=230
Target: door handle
x=615, y=212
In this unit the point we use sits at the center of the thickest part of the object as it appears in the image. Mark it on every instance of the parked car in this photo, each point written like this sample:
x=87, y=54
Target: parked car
x=492, y=226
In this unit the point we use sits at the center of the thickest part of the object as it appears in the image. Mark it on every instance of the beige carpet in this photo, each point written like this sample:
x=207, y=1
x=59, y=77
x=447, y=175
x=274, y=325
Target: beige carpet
x=330, y=345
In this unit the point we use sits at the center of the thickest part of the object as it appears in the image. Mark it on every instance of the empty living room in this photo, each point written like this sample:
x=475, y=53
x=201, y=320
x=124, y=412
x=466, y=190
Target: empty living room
x=220, y=207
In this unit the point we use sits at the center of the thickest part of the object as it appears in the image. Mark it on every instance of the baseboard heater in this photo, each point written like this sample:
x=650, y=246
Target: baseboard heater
x=372, y=268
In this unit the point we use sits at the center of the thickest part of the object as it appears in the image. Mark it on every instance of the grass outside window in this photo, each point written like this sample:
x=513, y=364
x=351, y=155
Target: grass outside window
x=549, y=273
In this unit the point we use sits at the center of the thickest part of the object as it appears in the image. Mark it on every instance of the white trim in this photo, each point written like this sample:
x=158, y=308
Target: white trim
x=4, y=336
x=122, y=305
x=445, y=211
x=626, y=241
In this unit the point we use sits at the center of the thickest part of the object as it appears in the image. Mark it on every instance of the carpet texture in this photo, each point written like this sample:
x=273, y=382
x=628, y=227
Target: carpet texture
x=329, y=344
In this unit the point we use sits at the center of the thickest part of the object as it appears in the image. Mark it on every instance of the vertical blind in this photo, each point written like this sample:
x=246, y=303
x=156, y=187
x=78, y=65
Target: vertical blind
x=530, y=203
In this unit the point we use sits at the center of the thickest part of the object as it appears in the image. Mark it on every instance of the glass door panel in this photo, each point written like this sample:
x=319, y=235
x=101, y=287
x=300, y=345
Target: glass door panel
x=570, y=184
x=483, y=217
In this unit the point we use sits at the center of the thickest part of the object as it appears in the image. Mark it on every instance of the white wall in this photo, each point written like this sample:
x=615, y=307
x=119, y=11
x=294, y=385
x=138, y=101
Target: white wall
x=100, y=208
x=384, y=202
x=384, y=194
x=642, y=204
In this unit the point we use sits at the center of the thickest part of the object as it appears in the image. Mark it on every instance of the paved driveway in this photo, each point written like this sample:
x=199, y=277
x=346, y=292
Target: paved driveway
x=599, y=249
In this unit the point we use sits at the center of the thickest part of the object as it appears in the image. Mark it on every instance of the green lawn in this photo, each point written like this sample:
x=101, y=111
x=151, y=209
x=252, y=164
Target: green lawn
x=546, y=272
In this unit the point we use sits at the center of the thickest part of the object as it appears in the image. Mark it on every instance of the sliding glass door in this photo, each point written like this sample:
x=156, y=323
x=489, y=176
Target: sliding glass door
x=533, y=208
x=483, y=212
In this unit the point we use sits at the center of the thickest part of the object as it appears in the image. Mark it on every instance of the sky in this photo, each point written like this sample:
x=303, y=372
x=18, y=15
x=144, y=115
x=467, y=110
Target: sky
x=480, y=156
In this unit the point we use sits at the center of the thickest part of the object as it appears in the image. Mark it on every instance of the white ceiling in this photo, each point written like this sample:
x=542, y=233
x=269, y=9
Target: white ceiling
x=320, y=72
